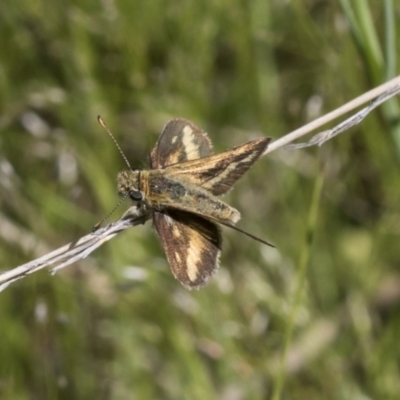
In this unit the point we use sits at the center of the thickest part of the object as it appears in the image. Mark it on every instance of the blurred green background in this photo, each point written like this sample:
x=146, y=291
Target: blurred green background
x=317, y=317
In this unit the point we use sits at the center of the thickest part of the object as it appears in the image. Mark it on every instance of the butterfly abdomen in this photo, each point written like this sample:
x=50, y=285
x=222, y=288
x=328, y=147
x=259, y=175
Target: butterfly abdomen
x=166, y=192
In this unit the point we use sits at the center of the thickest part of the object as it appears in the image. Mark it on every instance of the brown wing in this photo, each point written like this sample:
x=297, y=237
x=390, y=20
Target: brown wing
x=192, y=245
x=219, y=172
x=180, y=141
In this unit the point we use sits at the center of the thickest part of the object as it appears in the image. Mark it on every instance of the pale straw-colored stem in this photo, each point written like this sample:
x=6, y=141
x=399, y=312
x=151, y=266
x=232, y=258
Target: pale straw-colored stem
x=82, y=247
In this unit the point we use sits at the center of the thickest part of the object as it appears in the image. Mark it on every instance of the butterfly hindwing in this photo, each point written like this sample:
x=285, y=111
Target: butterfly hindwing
x=192, y=245
x=180, y=141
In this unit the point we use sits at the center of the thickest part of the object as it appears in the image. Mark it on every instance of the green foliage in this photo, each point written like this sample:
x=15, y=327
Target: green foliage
x=317, y=317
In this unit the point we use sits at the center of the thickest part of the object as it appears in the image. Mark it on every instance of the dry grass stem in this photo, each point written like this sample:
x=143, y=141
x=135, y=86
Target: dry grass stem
x=81, y=248
x=381, y=94
x=76, y=250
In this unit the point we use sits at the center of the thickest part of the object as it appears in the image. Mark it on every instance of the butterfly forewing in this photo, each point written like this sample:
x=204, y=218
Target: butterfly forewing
x=218, y=173
x=180, y=141
x=192, y=246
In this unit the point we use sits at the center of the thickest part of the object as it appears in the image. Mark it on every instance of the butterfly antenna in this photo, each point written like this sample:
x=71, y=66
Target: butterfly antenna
x=98, y=225
x=103, y=124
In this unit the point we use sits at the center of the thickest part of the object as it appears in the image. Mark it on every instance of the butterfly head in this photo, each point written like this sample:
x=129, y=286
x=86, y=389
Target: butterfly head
x=128, y=183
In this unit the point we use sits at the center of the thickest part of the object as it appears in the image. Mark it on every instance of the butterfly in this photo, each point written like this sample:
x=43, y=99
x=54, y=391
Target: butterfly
x=181, y=191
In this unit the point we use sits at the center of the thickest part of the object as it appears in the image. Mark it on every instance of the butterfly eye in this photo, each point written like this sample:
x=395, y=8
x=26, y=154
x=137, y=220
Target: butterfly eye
x=135, y=195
